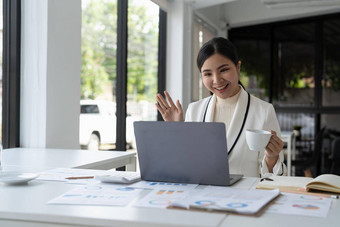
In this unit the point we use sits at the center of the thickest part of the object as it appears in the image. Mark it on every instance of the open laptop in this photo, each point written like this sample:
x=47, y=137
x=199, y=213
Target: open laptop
x=183, y=152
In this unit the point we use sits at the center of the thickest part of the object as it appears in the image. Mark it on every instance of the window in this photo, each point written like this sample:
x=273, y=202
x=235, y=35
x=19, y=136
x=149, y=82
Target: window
x=294, y=48
x=202, y=33
x=132, y=90
x=290, y=121
x=98, y=72
x=143, y=24
x=331, y=74
x=254, y=53
x=10, y=95
x=295, y=65
x=89, y=109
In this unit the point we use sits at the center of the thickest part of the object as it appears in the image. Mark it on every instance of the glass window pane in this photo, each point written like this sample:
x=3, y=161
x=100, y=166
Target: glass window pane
x=294, y=65
x=304, y=122
x=253, y=48
x=331, y=76
x=202, y=33
x=331, y=122
x=143, y=30
x=98, y=74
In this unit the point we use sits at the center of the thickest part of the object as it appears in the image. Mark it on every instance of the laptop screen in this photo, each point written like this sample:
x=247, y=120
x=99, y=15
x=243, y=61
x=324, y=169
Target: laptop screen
x=185, y=152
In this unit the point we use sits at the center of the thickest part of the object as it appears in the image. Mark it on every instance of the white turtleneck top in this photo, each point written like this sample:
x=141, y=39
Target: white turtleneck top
x=225, y=108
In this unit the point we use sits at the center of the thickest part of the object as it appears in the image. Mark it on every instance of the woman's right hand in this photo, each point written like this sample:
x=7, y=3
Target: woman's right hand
x=169, y=111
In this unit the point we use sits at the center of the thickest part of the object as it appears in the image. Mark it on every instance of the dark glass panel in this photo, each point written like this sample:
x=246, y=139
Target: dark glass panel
x=294, y=65
x=331, y=76
x=254, y=52
x=304, y=122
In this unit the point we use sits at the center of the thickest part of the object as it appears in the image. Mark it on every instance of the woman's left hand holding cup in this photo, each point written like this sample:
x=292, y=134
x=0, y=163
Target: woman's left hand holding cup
x=169, y=111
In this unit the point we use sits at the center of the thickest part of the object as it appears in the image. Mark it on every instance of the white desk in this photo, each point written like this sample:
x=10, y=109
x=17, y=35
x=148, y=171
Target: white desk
x=25, y=206
x=289, y=138
x=39, y=159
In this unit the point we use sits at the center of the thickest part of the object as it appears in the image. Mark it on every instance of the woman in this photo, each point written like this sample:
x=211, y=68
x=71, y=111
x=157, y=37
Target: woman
x=230, y=103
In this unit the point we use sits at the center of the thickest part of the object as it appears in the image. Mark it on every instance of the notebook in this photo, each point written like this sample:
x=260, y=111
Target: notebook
x=183, y=152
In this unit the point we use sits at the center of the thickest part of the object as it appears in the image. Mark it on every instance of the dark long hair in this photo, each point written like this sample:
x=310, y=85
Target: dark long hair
x=217, y=45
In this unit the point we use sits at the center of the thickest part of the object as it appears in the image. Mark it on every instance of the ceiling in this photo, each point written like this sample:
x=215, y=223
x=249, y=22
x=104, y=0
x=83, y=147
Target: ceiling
x=198, y=4
x=299, y=3
x=236, y=13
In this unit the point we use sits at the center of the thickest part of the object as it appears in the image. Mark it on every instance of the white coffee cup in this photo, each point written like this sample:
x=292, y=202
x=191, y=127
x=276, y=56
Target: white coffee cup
x=257, y=140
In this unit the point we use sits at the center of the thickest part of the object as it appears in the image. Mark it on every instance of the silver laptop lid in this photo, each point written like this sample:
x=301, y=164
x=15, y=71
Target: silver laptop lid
x=186, y=152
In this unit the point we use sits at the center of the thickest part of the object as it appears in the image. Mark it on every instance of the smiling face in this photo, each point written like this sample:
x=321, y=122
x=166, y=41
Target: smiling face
x=220, y=76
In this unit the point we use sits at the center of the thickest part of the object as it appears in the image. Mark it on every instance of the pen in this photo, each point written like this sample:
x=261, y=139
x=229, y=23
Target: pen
x=266, y=178
x=311, y=193
x=76, y=178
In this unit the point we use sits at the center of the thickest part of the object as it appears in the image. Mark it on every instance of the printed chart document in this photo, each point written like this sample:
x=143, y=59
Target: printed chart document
x=162, y=198
x=243, y=201
x=60, y=174
x=163, y=185
x=98, y=194
x=300, y=204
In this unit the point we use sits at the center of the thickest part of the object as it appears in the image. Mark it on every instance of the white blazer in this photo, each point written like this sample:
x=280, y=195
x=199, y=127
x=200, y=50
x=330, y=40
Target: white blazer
x=261, y=115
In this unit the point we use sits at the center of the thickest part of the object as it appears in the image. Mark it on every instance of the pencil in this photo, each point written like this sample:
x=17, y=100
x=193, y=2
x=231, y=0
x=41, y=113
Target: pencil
x=76, y=178
x=311, y=193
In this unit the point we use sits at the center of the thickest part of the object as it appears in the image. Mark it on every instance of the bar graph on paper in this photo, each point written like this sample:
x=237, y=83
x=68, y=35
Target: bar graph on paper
x=161, y=198
x=163, y=185
x=111, y=195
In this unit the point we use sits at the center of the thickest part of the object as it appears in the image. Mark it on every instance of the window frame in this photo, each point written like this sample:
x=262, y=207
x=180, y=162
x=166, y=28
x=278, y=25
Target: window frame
x=121, y=83
x=11, y=73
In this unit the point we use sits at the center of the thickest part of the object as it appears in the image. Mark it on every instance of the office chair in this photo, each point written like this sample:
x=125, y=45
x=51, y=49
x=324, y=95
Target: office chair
x=313, y=161
x=335, y=157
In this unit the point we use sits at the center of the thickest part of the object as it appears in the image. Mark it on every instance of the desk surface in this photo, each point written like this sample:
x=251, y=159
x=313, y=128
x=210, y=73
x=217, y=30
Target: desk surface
x=25, y=205
x=39, y=159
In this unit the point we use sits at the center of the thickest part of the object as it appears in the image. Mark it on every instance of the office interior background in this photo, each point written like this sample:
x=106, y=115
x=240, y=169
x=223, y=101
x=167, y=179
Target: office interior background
x=58, y=52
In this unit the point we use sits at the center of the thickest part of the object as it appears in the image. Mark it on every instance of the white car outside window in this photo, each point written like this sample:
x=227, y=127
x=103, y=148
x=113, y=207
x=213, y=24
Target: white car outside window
x=97, y=124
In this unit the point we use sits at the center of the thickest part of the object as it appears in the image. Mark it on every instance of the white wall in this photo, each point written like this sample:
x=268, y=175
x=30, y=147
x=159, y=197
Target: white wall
x=179, y=51
x=51, y=64
x=33, y=73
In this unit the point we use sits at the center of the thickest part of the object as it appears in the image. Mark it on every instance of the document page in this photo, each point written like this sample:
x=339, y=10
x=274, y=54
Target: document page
x=300, y=204
x=162, y=198
x=163, y=185
x=61, y=174
x=99, y=194
x=230, y=199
